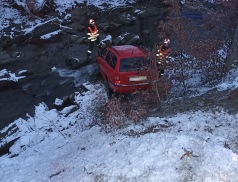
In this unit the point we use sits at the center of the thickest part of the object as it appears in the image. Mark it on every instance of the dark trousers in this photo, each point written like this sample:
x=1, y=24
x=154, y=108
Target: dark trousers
x=160, y=69
x=91, y=45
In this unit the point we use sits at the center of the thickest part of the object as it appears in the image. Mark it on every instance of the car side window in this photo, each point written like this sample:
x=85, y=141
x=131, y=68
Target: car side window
x=108, y=57
x=111, y=59
x=113, y=62
x=103, y=53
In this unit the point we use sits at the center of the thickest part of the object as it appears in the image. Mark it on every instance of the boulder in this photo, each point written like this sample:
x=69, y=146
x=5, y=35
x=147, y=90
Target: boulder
x=123, y=38
x=44, y=28
x=30, y=89
x=146, y=32
x=69, y=110
x=5, y=41
x=7, y=84
x=4, y=55
x=13, y=46
x=108, y=26
x=35, y=6
x=135, y=40
x=24, y=73
x=74, y=38
x=81, y=28
x=18, y=55
x=127, y=19
x=67, y=101
x=233, y=94
x=152, y=11
x=115, y=12
x=74, y=62
x=81, y=40
x=19, y=39
x=70, y=30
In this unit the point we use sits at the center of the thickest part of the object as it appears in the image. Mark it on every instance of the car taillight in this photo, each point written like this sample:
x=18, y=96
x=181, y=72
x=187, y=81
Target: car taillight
x=117, y=78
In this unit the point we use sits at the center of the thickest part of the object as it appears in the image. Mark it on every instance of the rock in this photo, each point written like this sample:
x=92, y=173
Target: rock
x=18, y=55
x=233, y=94
x=29, y=89
x=124, y=38
x=67, y=101
x=117, y=11
x=14, y=46
x=155, y=11
x=35, y=6
x=44, y=28
x=5, y=41
x=69, y=110
x=58, y=104
x=24, y=73
x=135, y=40
x=68, y=17
x=74, y=38
x=81, y=40
x=7, y=84
x=62, y=32
x=108, y=26
x=146, y=32
x=74, y=62
x=70, y=30
x=19, y=39
x=42, y=59
x=4, y=55
x=127, y=19
x=81, y=28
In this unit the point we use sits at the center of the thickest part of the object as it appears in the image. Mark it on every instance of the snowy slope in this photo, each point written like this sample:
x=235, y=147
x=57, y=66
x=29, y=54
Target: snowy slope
x=54, y=146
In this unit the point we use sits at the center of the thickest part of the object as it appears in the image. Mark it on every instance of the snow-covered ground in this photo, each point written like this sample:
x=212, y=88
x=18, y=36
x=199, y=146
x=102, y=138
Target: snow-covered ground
x=63, y=146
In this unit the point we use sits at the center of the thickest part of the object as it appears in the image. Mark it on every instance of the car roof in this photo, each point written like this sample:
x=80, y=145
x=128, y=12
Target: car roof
x=128, y=51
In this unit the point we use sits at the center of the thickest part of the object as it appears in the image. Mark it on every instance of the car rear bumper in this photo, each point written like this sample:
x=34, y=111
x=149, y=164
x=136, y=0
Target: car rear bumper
x=121, y=88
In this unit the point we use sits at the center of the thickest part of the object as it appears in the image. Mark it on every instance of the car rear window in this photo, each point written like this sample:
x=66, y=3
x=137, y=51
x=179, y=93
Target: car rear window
x=134, y=64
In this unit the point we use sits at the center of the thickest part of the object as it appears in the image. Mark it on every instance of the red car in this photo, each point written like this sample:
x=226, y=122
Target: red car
x=126, y=69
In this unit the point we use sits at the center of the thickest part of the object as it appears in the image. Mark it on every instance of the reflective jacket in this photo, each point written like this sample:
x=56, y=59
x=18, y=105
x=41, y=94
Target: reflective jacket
x=162, y=52
x=92, y=33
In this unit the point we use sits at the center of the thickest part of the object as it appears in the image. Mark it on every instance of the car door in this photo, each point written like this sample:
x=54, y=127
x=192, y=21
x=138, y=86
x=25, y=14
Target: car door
x=111, y=61
x=102, y=63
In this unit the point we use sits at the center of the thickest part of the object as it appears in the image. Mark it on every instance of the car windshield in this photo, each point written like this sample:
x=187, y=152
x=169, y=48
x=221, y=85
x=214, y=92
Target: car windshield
x=134, y=64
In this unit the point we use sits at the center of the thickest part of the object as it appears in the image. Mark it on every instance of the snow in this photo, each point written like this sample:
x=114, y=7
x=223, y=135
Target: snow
x=9, y=76
x=68, y=145
x=63, y=146
x=64, y=5
x=230, y=81
x=58, y=102
x=49, y=35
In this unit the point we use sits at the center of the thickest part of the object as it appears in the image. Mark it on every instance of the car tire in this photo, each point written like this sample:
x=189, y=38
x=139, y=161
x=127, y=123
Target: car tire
x=108, y=89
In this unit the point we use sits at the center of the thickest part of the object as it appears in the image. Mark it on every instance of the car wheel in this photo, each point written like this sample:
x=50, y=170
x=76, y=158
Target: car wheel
x=108, y=89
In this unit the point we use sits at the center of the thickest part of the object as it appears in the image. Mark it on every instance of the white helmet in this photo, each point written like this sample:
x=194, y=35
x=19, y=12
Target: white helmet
x=166, y=41
x=91, y=21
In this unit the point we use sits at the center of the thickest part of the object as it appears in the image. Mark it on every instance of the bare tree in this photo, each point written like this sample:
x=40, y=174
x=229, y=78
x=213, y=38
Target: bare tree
x=197, y=41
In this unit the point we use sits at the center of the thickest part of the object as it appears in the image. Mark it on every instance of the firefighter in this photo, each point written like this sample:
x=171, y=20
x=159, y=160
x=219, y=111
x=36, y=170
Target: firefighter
x=163, y=56
x=93, y=36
